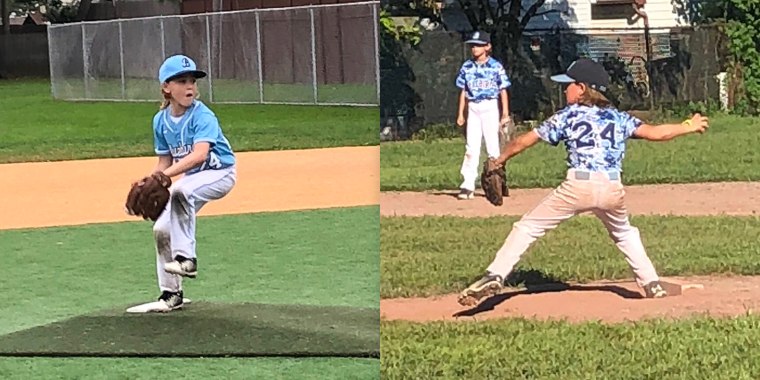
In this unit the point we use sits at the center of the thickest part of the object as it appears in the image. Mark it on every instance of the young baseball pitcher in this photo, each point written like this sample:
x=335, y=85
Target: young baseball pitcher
x=594, y=134
x=188, y=140
x=483, y=81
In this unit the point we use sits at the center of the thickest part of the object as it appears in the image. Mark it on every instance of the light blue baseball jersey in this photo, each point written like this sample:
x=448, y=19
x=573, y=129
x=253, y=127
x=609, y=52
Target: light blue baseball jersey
x=482, y=81
x=198, y=124
x=594, y=137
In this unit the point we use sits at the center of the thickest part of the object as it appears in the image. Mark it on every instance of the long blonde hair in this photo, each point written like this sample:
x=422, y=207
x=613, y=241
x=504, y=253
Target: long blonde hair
x=167, y=98
x=591, y=98
x=166, y=101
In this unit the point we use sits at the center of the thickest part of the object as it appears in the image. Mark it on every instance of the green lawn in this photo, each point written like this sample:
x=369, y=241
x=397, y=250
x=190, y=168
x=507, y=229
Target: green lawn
x=696, y=348
x=424, y=256
x=728, y=152
x=34, y=127
x=274, y=258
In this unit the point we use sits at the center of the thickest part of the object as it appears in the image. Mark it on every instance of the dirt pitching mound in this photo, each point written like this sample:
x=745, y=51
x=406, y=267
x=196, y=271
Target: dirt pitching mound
x=609, y=302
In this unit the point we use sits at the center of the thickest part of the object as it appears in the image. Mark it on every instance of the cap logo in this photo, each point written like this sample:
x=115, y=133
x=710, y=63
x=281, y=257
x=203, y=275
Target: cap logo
x=185, y=63
x=476, y=35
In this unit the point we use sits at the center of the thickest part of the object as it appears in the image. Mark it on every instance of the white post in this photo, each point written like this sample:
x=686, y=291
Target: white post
x=208, y=61
x=723, y=90
x=85, y=66
x=258, y=58
x=50, y=61
x=163, y=40
x=377, y=52
x=313, y=55
x=121, y=62
x=220, y=21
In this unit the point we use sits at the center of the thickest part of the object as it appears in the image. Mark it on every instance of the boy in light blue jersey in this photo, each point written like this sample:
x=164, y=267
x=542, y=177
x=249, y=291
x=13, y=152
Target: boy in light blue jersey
x=188, y=140
x=483, y=82
x=594, y=134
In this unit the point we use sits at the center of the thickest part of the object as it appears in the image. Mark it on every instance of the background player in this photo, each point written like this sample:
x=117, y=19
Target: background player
x=594, y=134
x=189, y=140
x=482, y=80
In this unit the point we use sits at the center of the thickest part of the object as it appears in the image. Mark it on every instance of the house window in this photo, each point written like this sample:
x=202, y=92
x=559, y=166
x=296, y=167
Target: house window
x=612, y=9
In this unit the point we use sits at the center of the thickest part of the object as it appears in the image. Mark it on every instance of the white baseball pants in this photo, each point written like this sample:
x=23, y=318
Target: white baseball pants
x=482, y=124
x=174, y=231
x=598, y=194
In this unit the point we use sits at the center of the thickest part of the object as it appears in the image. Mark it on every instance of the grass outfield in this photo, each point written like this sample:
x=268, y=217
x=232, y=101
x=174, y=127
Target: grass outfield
x=424, y=256
x=695, y=348
x=728, y=152
x=37, y=128
x=273, y=258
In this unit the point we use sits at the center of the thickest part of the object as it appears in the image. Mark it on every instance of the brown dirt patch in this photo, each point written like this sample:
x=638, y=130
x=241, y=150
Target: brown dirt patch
x=93, y=191
x=609, y=302
x=603, y=301
x=728, y=198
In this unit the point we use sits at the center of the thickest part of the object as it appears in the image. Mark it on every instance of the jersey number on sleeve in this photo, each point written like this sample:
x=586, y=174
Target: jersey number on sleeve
x=213, y=162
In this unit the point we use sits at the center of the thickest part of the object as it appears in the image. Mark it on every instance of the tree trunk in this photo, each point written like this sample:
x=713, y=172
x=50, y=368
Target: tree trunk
x=5, y=11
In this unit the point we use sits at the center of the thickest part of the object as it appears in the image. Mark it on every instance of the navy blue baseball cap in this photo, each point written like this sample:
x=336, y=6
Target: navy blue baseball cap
x=479, y=38
x=586, y=71
x=178, y=65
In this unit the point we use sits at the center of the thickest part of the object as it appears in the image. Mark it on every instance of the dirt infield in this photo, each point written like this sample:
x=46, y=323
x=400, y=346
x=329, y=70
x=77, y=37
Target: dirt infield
x=603, y=301
x=93, y=191
x=731, y=198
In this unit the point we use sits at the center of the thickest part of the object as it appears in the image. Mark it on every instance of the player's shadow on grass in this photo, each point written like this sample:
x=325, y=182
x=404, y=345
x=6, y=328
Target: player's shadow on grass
x=536, y=281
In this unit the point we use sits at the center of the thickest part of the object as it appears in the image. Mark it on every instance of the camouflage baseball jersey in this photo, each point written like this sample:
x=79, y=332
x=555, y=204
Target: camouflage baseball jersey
x=482, y=81
x=594, y=137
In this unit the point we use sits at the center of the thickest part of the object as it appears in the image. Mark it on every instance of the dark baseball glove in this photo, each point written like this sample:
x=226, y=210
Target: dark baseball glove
x=148, y=197
x=493, y=180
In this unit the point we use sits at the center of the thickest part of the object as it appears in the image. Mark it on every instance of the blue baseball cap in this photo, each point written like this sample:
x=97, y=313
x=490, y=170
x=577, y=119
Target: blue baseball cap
x=479, y=38
x=177, y=65
x=586, y=71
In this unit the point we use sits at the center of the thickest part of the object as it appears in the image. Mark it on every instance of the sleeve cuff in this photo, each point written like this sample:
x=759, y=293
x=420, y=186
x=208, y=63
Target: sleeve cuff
x=162, y=152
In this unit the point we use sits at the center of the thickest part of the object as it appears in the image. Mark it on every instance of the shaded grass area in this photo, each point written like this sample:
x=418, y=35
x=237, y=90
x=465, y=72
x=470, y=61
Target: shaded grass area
x=726, y=153
x=207, y=330
x=37, y=128
x=695, y=348
x=321, y=257
x=189, y=368
x=424, y=256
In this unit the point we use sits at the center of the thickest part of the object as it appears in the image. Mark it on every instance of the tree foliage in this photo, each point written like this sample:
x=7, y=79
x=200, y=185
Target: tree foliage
x=742, y=26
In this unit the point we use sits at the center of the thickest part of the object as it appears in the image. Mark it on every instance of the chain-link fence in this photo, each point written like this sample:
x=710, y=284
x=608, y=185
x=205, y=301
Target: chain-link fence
x=685, y=65
x=324, y=54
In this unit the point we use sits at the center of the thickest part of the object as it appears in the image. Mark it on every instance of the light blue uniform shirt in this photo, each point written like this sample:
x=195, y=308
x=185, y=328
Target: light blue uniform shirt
x=482, y=81
x=198, y=124
x=594, y=137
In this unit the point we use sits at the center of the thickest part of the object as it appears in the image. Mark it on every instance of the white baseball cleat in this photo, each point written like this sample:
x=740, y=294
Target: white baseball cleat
x=182, y=266
x=466, y=194
x=167, y=302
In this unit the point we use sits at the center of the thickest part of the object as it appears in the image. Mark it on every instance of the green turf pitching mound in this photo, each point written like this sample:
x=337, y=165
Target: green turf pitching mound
x=208, y=330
